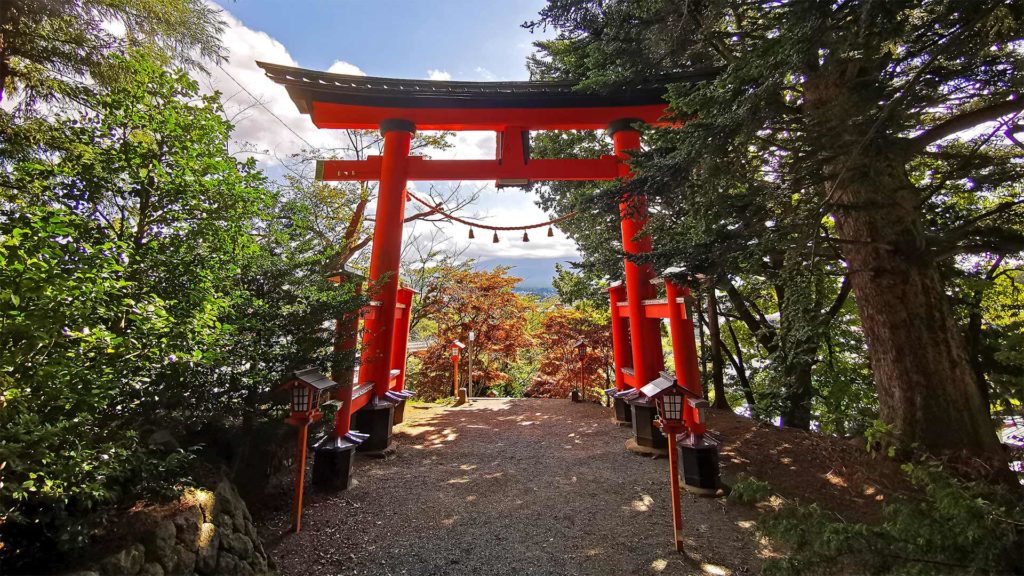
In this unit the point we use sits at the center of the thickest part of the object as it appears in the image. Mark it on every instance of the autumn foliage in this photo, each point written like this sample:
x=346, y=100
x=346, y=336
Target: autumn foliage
x=481, y=301
x=560, y=367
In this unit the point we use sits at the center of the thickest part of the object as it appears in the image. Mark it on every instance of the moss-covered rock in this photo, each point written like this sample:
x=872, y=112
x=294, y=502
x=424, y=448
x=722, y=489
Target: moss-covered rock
x=208, y=533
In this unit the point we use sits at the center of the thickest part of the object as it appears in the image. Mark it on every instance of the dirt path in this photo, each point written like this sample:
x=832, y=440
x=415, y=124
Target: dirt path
x=510, y=487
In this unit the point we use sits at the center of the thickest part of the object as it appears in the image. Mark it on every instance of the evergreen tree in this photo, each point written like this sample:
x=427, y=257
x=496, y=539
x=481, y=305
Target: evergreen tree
x=46, y=43
x=841, y=103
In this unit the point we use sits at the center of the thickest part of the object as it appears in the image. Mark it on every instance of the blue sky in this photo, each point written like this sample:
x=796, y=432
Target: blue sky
x=470, y=39
x=441, y=39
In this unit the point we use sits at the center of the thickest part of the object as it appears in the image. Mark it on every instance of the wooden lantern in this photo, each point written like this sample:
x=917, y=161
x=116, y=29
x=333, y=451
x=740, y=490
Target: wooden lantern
x=670, y=396
x=307, y=390
x=581, y=349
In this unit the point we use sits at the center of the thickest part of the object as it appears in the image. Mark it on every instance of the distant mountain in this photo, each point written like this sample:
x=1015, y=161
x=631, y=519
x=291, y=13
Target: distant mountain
x=539, y=291
x=535, y=272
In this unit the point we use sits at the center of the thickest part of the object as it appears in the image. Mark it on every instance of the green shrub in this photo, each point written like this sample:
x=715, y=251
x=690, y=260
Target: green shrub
x=149, y=281
x=749, y=490
x=78, y=345
x=949, y=527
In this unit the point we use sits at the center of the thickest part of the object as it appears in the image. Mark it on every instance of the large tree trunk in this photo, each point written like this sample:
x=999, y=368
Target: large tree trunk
x=801, y=330
x=798, y=394
x=926, y=389
x=701, y=321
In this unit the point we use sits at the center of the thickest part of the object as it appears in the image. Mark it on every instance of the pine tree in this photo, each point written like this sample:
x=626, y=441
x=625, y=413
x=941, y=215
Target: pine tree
x=841, y=103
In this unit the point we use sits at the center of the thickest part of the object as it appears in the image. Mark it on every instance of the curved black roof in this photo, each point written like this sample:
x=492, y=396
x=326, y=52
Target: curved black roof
x=306, y=86
x=312, y=377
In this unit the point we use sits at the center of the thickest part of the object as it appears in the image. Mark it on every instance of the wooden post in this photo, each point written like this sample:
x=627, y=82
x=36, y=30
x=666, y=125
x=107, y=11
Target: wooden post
x=400, y=337
x=620, y=334
x=455, y=377
x=644, y=333
x=345, y=330
x=300, y=474
x=677, y=512
x=583, y=393
x=684, y=346
x=385, y=258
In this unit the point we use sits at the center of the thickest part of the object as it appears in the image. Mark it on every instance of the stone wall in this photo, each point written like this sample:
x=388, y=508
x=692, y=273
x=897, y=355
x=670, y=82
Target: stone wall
x=208, y=534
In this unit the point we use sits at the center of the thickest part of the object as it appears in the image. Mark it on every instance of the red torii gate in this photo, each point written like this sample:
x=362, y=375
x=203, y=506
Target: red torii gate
x=511, y=109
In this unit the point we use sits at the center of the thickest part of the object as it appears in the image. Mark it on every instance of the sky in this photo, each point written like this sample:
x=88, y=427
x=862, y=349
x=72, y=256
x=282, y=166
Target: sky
x=442, y=39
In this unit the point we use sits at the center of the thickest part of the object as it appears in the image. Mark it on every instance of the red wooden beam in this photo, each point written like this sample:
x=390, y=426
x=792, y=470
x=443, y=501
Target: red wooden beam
x=348, y=116
x=603, y=168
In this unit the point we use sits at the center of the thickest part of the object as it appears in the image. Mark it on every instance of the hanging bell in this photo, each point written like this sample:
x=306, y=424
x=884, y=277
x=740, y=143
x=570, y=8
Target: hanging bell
x=551, y=232
x=471, y=236
x=495, y=238
x=526, y=237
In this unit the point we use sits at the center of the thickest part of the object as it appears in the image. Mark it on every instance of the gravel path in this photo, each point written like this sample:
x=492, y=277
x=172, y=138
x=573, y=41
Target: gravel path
x=503, y=486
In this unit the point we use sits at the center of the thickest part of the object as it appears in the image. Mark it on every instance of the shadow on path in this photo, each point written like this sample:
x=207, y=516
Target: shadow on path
x=500, y=486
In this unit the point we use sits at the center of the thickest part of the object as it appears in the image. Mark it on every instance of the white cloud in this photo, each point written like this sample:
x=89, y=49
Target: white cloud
x=274, y=128
x=257, y=125
x=438, y=75
x=342, y=67
x=484, y=74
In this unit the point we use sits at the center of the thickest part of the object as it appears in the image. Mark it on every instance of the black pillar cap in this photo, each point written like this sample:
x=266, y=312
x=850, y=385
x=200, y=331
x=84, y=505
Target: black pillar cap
x=397, y=124
x=623, y=124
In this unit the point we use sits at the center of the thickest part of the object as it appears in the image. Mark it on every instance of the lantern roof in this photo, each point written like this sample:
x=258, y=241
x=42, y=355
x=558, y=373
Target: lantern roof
x=312, y=377
x=457, y=344
x=345, y=272
x=660, y=385
x=362, y=102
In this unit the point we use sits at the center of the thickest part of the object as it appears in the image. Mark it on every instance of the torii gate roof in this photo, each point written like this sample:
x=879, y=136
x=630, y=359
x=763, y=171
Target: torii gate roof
x=363, y=102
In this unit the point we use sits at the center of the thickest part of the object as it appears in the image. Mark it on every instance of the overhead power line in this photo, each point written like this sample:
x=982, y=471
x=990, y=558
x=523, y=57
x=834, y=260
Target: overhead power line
x=261, y=105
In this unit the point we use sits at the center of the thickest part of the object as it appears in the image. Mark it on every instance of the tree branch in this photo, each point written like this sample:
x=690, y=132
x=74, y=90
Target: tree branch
x=952, y=242
x=965, y=121
x=763, y=331
x=837, y=305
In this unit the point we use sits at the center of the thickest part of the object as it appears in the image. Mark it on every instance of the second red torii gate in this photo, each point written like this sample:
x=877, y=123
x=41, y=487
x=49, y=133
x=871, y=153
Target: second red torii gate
x=511, y=109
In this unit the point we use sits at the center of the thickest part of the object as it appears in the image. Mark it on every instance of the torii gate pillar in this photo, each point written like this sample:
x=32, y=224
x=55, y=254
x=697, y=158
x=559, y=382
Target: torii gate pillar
x=378, y=332
x=645, y=343
x=645, y=333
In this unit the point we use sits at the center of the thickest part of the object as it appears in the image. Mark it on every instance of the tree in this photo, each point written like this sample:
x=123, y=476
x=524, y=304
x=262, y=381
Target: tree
x=148, y=280
x=560, y=366
x=838, y=100
x=715, y=337
x=481, y=301
x=428, y=266
x=338, y=210
x=579, y=288
x=45, y=45
x=707, y=231
x=989, y=301
x=147, y=162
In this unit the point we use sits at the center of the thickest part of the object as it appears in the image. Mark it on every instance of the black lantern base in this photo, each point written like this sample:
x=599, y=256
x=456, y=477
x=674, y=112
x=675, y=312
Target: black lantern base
x=645, y=433
x=376, y=419
x=623, y=413
x=575, y=395
x=399, y=415
x=332, y=463
x=700, y=466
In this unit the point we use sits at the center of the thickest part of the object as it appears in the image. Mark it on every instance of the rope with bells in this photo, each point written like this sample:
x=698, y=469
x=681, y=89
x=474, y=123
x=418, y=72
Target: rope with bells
x=526, y=238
